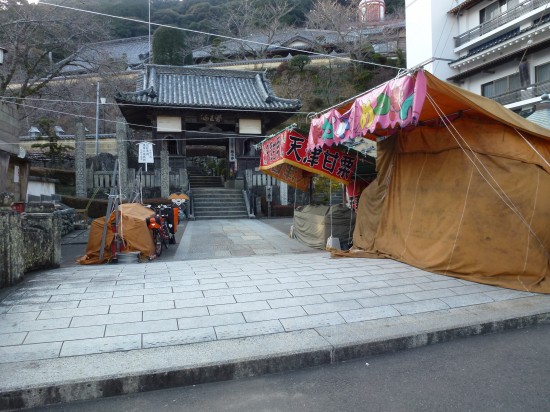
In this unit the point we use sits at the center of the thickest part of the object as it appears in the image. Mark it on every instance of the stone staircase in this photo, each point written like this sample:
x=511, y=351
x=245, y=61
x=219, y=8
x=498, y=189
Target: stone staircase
x=198, y=181
x=218, y=203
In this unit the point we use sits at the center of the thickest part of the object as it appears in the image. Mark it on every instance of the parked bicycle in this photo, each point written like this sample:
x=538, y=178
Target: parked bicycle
x=161, y=227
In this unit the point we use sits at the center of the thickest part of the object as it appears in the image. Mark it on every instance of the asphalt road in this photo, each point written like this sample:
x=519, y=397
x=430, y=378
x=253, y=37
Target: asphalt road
x=504, y=372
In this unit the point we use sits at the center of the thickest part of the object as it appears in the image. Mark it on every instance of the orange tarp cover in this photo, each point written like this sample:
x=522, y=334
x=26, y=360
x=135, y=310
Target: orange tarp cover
x=468, y=197
x=132, y=230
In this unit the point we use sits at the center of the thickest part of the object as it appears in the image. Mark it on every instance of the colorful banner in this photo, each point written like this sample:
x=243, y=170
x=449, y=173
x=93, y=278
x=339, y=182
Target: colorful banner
x=396, y=103
x=285, y=157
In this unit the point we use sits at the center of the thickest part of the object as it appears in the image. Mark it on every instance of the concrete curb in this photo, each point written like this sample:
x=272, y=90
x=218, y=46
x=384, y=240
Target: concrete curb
x=60, y=380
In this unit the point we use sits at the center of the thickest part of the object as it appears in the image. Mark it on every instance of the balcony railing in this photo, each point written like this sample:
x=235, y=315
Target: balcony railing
x=499, y=21
x=531, y=92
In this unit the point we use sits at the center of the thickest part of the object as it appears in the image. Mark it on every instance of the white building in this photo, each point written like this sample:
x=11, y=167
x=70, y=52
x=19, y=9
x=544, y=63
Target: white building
x=497, y=48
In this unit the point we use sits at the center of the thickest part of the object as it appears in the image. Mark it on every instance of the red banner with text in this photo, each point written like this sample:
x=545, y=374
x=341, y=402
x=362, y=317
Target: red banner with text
x=285, y=157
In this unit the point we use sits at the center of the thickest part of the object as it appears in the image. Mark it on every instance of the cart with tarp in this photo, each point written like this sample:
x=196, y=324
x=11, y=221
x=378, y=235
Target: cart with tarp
x=132, y=235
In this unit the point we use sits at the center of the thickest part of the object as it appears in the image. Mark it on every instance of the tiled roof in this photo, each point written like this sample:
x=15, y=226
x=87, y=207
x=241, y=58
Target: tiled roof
x=300, y=39
x=133, y=51
x=256, y=43
x=206, y=88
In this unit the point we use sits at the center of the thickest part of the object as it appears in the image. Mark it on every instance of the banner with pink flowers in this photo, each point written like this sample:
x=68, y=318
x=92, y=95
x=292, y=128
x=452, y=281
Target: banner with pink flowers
x=394, y=104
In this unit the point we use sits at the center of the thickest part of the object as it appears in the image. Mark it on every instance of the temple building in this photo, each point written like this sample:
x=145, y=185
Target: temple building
x=189, y=113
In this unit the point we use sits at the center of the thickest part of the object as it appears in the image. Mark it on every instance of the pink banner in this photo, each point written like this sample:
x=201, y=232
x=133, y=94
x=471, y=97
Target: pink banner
x=394, y=104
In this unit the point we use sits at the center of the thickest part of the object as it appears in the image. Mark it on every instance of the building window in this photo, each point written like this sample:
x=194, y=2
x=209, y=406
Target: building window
x=542, y=73
x=501, y=86
x=495, y=9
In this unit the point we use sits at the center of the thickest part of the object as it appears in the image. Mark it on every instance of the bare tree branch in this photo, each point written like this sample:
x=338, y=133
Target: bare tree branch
x=40, y=41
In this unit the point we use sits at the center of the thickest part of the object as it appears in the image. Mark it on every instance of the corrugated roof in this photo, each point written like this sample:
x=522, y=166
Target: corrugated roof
x=541, y=117
x=206, y=88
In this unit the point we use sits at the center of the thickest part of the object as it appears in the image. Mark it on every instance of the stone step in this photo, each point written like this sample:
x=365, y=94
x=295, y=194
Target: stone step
x=219, y=210
x=208, y=196
x=205, y=179
x=215, y=191
x=222, y=216
x=218, y=203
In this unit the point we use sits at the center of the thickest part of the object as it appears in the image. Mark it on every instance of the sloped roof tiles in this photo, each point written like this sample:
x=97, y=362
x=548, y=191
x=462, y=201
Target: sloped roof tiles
x=206, y=88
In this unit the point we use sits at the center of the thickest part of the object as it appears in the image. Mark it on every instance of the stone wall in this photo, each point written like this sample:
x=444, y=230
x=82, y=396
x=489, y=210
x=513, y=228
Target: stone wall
x=12, y=266
x=29, y=241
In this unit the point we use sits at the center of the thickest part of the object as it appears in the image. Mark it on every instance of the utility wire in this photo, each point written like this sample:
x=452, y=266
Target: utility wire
x=220, y=36
x=223, y=135
x=148, y=105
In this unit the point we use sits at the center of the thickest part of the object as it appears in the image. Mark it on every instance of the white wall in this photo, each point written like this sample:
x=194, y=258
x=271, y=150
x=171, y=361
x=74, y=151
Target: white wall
x=430, y=32
x=37, y=188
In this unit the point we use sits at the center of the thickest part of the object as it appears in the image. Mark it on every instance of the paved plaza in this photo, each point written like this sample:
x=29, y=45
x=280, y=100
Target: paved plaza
x=237, y=294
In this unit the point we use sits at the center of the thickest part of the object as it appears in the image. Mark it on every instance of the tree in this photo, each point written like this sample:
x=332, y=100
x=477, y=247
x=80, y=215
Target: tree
x=168, y=46
x=342, y=21
x=54, y=149
x=263, y=18
x=40, y=40
x=300, y=61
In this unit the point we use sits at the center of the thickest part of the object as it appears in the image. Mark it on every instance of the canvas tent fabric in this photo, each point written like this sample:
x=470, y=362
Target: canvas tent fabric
x=133, y=230
x=464, y=194
x=313, y=224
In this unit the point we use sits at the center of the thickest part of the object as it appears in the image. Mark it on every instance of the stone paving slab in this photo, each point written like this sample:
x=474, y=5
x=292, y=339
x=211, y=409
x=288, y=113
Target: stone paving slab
x=34, y=383
x=86, y=332
x=300, y=292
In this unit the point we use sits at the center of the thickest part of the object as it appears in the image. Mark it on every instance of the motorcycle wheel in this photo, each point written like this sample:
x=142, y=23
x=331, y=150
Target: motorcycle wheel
x=158, y=242
x=165, y=236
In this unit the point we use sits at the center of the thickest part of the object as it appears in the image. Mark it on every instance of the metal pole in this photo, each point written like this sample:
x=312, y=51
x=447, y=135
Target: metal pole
x=150, y=56
x=97, y=121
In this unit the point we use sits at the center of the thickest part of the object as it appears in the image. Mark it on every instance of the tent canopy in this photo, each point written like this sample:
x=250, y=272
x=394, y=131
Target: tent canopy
x=463, y=184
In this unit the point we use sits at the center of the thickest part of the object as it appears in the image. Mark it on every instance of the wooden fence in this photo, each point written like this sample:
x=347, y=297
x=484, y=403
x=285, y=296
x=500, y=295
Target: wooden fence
x=149, y=179
x=261, y=179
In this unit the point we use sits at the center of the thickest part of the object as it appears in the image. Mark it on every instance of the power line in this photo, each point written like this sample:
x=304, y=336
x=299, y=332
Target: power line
x=150, y=105
x=222, y=134
x=220, y=36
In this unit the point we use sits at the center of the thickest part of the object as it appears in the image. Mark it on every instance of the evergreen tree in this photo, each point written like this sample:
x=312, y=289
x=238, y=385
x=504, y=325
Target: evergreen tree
x=54, y=150
x=168, y=46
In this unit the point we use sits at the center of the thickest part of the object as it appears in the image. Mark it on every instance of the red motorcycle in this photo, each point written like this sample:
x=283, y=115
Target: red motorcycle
x=160, y=228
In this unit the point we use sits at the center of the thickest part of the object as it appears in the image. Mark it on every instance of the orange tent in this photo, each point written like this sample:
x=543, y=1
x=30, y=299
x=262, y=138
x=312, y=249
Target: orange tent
x=462, y=190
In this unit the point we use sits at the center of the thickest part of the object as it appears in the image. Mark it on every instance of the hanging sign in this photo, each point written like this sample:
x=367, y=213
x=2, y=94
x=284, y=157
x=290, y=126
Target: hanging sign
x=232, y=156
x=285, y=157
